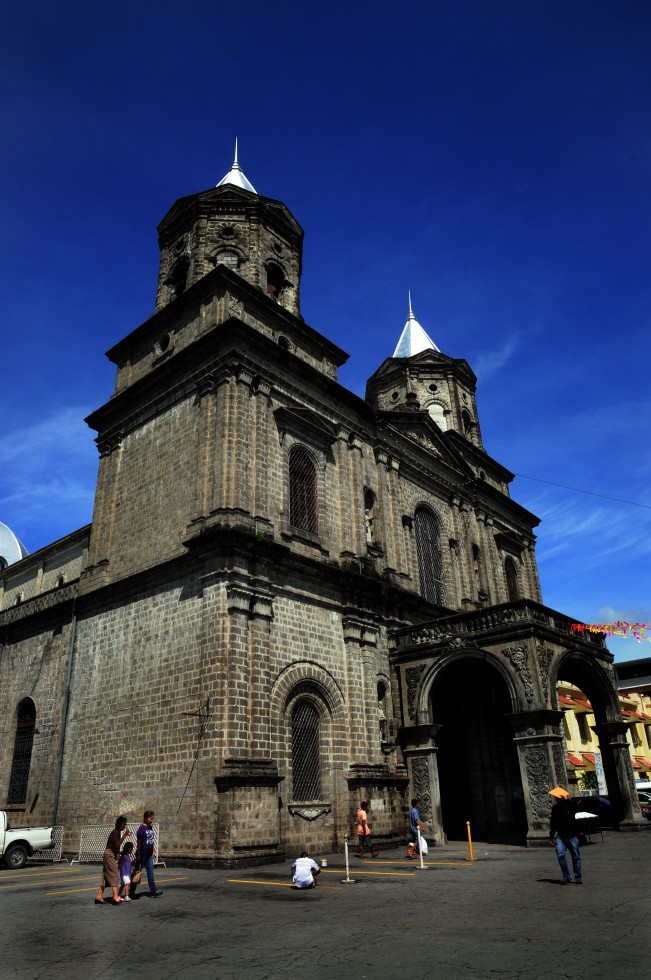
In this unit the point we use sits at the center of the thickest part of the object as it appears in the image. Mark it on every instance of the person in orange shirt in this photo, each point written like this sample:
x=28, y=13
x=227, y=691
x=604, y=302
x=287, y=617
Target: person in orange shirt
x=364, y=831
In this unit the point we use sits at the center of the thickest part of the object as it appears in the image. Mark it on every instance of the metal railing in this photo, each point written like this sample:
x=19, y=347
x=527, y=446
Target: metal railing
x=92, y=843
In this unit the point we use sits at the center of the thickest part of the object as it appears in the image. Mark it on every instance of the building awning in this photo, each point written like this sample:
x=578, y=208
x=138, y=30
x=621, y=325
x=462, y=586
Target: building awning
x=588, y=758
x=568, y=701
x=644, y=762
x=575, y=760
x=583, y=705
x=636, y=764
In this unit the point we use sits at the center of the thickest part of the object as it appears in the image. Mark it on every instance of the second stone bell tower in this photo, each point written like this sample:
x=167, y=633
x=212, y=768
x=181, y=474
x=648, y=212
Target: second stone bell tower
x=231, y=225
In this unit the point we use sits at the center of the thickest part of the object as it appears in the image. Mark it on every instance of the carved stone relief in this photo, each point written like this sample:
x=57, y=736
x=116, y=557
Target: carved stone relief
x=559, y=763
x=412, y=676
x=420, y=781
x=518, y=657
x=535, y=759
x=545, y=655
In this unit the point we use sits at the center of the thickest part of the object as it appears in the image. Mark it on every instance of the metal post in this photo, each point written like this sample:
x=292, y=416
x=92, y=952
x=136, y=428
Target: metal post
x=471, y=858
x=347, y=880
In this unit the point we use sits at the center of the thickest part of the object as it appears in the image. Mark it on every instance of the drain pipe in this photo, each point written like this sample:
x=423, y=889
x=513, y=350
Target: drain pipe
x=64, y=721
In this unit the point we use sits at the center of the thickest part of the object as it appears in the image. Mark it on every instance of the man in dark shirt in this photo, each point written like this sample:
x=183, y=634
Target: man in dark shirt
x=564, y=835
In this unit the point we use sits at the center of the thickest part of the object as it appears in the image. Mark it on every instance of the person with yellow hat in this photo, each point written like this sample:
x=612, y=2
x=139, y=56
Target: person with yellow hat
x=564, y=835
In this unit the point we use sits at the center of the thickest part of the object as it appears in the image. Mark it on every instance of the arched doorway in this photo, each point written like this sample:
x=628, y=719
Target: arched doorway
x=478, y=767
x=600, y=711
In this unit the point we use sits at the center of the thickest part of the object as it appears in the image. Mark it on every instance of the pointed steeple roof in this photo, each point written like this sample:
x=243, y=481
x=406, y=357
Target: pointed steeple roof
x=236, y=176
x=413, y=338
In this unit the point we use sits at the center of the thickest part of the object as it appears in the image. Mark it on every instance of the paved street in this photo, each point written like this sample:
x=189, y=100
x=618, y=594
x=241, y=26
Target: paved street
x=503, y=916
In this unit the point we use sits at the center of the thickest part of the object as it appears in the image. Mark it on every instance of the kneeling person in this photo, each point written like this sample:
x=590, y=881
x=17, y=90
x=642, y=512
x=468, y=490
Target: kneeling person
x=305, y=871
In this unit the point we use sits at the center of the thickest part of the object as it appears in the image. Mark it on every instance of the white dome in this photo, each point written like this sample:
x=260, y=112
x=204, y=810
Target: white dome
x=11, y=549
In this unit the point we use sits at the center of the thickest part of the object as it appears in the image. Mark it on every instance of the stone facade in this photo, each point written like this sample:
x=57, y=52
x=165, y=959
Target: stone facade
x=250, y=635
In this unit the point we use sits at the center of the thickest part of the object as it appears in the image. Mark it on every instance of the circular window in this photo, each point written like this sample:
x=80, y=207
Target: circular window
x=395, y=396
x=284, y=343
x=227, y=232
x=277, y=247
x=433, y=388
x=163, y=343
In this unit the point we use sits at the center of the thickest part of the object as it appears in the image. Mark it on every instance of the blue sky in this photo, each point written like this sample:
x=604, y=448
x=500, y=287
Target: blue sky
x=495, y=159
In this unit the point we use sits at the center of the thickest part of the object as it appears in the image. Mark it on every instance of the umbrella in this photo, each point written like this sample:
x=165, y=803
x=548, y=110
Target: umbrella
x=124, y=806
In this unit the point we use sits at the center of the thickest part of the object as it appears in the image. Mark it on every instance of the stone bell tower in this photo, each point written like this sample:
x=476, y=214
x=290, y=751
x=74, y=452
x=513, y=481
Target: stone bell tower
x=419, y=378
x=231, y=225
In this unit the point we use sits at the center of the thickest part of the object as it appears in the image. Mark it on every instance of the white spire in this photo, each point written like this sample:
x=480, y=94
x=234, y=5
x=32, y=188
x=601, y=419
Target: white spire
x=236, y=176
x=413, y=338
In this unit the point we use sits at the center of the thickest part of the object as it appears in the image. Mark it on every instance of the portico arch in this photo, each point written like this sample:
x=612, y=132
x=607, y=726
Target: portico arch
x=590, y=677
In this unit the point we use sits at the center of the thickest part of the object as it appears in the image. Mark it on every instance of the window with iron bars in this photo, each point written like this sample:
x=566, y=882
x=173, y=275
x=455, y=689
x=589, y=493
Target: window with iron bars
x=428, y=549
x=306, y=752
x=22, y=760
x=303, y=512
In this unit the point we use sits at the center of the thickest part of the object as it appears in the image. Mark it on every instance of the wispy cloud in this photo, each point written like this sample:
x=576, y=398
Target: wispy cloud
x=47, y=476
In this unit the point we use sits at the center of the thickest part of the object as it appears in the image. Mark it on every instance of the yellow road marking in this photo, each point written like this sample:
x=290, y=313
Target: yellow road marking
x=67, y=891
x=386, y=874
x=37, y=872
x=282, y=884
x=31, y=884
x=457, y=864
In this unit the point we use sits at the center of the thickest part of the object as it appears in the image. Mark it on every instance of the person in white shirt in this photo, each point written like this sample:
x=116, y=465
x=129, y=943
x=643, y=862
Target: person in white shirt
x=305, y=871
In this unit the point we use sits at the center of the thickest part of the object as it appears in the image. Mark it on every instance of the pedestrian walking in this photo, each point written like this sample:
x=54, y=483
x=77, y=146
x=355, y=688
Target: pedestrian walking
x=145, y=850
x=415, y=825
x=564, y=834
x=305, y=871
x=364, y=831
x=110, y=872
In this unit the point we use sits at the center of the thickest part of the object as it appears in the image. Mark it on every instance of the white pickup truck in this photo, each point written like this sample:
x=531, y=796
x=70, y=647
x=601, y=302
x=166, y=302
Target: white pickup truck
x=19, y=843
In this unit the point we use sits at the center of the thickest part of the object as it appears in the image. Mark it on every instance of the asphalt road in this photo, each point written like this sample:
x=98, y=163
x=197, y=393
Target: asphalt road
x=503, y=916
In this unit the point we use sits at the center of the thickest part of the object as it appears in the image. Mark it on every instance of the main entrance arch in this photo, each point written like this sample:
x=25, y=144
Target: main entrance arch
x=477, y=760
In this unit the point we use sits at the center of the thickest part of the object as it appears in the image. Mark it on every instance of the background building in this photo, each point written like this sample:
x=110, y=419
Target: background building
x=289, y=598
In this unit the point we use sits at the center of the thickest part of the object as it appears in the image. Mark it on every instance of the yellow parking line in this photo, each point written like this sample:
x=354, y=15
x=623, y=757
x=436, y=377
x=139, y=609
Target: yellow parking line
x=281, y=884
x=36, y=872
x=385, y=874
x=68, y=891
x=31, y=884
x=413, y=864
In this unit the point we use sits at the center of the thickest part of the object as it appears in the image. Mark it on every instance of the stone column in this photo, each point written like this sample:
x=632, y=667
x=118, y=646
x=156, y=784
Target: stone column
x=260, y=674
x=618, y=770
x=346, y=542
x=420, y=751
x=541, y=766
x=205, y=447
x=353, y=631
x=262, y=451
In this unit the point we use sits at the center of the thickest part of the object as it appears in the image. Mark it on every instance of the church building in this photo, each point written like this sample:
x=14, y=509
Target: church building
x=289, y=598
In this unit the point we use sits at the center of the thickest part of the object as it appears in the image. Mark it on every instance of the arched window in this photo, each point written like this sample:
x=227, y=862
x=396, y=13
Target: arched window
x=302, y=491
x=437, y=414
x=511, y=573
x=25, y=728
x=3, y=563
x=229, y=258
x=467, y=422
x=177, y=281
x=275, y=281
x=428, y=550
x=306, y=752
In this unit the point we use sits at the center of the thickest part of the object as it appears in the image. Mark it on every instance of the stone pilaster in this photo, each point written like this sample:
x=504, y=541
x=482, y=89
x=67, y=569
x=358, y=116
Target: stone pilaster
x=540, y=755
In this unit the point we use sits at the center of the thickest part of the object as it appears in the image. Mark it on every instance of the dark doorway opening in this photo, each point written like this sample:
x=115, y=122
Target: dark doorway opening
x=479, y=772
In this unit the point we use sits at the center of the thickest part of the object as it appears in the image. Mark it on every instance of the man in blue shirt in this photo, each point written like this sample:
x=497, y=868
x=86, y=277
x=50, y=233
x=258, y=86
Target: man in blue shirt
x=414, y=826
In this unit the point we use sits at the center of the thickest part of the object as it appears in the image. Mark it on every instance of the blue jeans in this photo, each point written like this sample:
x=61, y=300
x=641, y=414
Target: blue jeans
x=563, y=844
x=148, y=865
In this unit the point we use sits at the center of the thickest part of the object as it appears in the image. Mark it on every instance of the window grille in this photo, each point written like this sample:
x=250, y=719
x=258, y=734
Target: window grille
x=302, y=492
x=428, y=550
x=306, y=752
x=25, y=728
x=511, y=579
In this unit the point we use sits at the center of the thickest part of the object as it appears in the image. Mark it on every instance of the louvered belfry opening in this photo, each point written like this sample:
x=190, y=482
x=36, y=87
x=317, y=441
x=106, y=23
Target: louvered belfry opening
x=428, y=549
x=511, y=579
x=22, y=760
x=302, y=492
x=306, y=752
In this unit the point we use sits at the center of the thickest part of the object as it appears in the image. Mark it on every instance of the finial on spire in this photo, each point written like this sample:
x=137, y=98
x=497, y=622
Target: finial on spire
x=413, y=338
x=236, y=177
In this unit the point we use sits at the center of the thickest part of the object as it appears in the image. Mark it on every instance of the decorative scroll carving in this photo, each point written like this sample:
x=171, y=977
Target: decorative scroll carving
x=535, y=760
x=412, y=676
x=518, y=657
x=309, y=812
x=420, y=780
x=559, y=764
x=545, y=655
